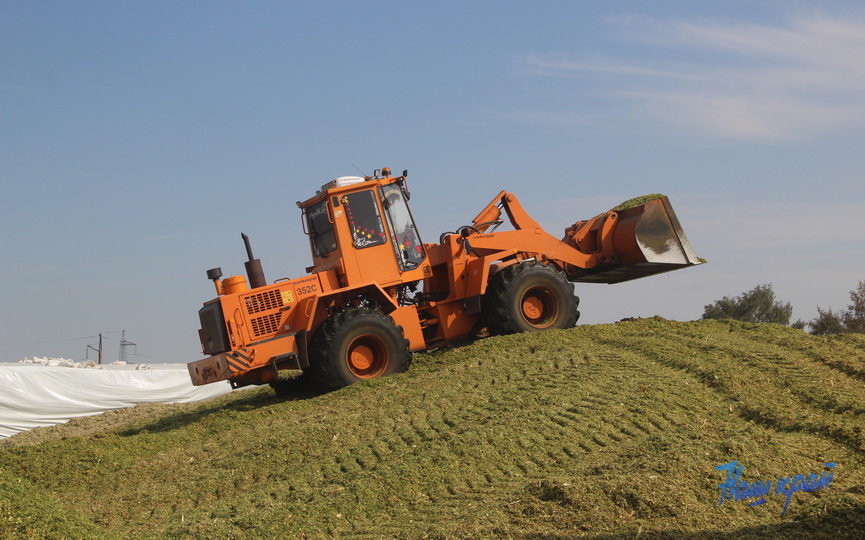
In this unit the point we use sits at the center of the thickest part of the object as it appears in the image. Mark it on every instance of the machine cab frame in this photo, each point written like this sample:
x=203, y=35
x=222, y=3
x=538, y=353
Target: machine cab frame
x=372, y=219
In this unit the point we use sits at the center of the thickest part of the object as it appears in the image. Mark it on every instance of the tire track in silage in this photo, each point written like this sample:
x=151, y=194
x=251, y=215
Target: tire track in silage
x=496, y=424
x=742, y=371
x=831, y=385
x=575, y=414
x=567, y=430
x=807, y=397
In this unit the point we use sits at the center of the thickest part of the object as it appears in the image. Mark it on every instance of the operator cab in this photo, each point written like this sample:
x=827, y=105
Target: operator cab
x=362, y=228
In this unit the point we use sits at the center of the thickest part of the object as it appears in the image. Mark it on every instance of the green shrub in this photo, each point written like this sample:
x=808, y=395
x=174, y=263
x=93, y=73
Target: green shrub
x=850, y=320
x=757, y=306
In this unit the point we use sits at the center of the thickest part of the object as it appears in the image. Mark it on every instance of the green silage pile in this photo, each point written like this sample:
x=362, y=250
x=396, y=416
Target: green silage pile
x=598, y=430
x=636, y=201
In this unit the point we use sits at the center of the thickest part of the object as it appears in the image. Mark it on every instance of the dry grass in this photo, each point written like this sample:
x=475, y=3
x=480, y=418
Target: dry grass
x=600, y=431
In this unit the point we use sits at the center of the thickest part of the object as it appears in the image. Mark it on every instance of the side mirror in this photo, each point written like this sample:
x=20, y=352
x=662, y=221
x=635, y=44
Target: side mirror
x=403, y=184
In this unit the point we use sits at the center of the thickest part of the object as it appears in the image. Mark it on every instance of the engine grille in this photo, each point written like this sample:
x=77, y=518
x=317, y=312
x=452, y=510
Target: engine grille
x=264, y=301
x=267, y=324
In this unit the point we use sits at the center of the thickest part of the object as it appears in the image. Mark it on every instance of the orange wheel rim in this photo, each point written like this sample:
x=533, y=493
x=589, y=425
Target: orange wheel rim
x=533, y=307
x=367, y=356
x=539, y=307
x=362, y=357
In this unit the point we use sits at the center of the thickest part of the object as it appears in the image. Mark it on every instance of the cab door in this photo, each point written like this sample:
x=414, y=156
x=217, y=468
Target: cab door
x=371, y=248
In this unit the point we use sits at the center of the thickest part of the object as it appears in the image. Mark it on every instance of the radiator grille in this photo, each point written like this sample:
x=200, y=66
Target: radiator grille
x=267, y=324
x=264, y=301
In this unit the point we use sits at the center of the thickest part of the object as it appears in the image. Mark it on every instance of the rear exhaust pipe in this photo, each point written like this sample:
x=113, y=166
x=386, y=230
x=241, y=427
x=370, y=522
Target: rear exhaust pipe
x=253, y=267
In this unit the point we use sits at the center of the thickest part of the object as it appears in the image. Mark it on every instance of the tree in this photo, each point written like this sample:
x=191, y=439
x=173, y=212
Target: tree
x=850, y=320
x=757, y=305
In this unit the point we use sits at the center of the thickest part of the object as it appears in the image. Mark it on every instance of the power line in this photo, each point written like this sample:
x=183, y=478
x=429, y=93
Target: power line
x=46, y=341
x=124, y=345
x=59, y=340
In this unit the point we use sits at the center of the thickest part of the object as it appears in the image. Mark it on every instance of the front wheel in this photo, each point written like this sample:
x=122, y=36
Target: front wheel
x=357, y=344
x=529, y=297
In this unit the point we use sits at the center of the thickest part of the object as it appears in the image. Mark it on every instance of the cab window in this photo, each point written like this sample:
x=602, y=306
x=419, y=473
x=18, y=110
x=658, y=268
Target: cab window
x=364, y=219
x=406, y=241
x=320, y=230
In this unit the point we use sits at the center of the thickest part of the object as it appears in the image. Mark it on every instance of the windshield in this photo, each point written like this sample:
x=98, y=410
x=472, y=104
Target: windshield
x=406, y=241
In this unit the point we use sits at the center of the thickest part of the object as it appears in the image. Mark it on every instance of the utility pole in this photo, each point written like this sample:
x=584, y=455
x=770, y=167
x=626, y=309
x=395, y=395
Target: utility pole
x=125, y=345
x=99, y=350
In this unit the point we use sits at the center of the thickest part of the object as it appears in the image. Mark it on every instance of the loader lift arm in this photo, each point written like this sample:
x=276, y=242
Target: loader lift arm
x=616, y=246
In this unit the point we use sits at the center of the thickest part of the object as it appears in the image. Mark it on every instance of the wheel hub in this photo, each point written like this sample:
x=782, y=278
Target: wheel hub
x=533, y=307
x=361, y=357
x=367, y=356
x=539, y=307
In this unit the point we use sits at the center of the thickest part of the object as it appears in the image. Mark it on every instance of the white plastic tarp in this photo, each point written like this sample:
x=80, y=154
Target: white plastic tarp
x=35, y=395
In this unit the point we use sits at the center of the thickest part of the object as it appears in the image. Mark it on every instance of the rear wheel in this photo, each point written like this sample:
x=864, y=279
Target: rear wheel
x=357, y=344
x=529, y=297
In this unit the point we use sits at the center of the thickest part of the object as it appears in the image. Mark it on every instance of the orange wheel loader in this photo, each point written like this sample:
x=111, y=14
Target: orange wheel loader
x=375, y=292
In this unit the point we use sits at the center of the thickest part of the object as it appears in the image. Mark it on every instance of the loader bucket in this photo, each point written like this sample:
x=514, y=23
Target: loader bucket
x=647, y=239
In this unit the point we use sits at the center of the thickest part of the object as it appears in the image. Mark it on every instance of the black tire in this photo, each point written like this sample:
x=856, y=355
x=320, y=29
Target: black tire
x=529, y=297
x=357, y=344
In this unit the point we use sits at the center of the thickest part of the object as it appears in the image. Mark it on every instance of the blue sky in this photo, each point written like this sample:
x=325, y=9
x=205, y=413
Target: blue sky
x=138, y=140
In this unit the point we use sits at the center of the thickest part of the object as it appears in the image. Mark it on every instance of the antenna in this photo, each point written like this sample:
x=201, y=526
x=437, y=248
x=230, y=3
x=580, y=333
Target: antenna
x=125, y=345
x=358, y=170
